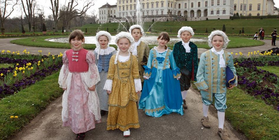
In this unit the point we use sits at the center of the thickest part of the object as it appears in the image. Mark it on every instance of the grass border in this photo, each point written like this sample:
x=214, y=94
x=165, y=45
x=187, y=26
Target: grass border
x=26, y=104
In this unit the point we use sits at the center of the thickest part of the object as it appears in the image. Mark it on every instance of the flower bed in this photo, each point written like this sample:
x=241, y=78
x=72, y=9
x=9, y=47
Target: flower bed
x=27, y=70
x=257, y=82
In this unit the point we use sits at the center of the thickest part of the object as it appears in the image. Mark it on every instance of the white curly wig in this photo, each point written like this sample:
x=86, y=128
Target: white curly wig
x=219, y=33
x=123, y=35
x=136, y=26
x=101, y=33
x=185, y=28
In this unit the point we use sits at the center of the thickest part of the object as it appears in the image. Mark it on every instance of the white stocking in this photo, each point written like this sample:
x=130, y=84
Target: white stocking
x=205, y=110
x=184, y=93
x=221, y=119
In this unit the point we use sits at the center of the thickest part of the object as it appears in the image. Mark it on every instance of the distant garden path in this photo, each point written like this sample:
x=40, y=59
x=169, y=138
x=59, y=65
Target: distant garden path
x=6, y=45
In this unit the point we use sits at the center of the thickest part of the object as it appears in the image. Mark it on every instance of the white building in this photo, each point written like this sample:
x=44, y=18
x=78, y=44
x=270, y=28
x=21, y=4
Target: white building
x=191, y=10
x=254, y=7
x=106, y=13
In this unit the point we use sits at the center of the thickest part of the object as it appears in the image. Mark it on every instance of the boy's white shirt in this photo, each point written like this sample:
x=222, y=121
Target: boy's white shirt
x=137, y=82
x=135, y=44
x=221, y=61
x=186, y=46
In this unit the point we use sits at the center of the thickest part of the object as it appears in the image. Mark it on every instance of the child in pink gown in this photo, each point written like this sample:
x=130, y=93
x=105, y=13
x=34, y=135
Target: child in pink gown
x=78, y=77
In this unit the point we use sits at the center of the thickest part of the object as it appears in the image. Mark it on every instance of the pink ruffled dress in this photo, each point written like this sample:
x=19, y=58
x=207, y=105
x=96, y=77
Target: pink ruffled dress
x=80, y=106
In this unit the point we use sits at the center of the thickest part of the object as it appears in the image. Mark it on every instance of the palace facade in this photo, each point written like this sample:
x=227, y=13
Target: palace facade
x=191, y=10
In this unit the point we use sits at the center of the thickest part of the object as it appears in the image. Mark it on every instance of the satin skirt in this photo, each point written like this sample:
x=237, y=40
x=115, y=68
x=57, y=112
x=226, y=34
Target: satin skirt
x=161, y=94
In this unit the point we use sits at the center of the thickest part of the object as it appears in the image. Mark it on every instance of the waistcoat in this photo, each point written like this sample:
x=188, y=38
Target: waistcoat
x=77, y=60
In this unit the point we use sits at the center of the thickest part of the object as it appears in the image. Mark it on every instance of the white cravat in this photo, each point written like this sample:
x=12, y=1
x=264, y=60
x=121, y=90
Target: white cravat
x=187, y=47
x=135, y=45
x=221, y=61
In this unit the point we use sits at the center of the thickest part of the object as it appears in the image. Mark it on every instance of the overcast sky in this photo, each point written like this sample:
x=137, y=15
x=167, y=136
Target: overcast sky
x=45, y=4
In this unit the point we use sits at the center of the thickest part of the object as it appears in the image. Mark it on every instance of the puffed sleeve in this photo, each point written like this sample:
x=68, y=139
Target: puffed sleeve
x=201, y=84
x=135, y=73
x=175, y=70
x=62, y=80
x=92, y=76
x=147, y=68
x=231, y=66
x=110, y=76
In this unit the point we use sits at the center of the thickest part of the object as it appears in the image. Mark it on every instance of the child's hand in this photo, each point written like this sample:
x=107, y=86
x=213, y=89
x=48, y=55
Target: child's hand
x=92, y=88
x=64, y=88
x=138, y=92
x=108, y=91
x=231, y=87
x=205, y=90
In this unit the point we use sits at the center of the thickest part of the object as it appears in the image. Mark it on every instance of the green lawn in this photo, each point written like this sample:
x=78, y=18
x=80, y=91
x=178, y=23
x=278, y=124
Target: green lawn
x=250, y=26
x=236, y=42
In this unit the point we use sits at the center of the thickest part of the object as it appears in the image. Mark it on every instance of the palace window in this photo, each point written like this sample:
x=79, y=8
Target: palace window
x=157, y=4
x=234, y=7
x=259, y=6
x=199, y=4
x=147, y=5
x=244, y=7
x=162, y=4
x=192, y=4
x=206, y=3
x=250, y=7
x=185, y=5
x=241, y=6
x=224, y=12
x=224, y=2
x=212, y=2
x=218, y=12
x=179, y=6
x=143, y=6
x=218, y=2
x=152, y=4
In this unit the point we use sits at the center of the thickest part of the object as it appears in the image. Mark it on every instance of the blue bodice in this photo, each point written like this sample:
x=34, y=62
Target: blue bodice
x=103, y=62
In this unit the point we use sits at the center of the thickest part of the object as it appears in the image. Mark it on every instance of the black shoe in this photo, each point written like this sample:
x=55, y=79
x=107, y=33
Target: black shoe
x=80, y=136
x=185, y=105
x=103, y=113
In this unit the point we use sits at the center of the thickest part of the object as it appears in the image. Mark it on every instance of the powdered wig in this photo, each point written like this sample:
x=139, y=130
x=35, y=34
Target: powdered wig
x=136, y=26
x=185, y=28
x=98, y=35
x=123, y=35
x=218, y=33
x=76, y=33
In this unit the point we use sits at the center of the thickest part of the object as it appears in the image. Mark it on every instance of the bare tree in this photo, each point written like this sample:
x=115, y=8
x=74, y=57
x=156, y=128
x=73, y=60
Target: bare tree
x=71, y=11
x=55, y=9
x=28, y=7
x=4, y=12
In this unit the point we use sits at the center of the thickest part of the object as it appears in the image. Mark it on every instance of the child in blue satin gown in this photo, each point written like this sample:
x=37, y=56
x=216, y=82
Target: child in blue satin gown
x=161, y=90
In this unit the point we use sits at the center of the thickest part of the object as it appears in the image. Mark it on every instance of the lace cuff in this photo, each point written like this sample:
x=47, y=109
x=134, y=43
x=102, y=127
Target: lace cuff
x=138, y=86
x=108, y=85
